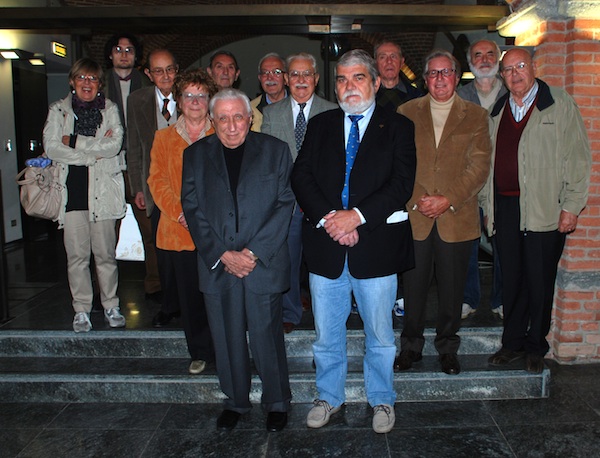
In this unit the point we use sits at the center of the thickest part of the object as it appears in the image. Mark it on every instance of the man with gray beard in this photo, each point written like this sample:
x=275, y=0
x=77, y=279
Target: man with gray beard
x=353, y=176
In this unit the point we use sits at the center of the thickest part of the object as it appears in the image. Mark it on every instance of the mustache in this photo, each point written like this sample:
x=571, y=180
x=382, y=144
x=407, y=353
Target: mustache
x=271, y=83
x=301, y=86
x=351, y=93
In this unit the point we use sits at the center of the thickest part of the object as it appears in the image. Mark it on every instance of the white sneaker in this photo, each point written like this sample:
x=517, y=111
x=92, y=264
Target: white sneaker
x=399, y=307
x=319, y=415
x=197, y=366
x=384, y=418
x=114, y=318
x=466, y=310
x=499, y=311
x=81, y=322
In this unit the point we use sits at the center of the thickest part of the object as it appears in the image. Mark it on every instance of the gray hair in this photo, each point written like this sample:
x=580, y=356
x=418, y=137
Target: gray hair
x=441, y=53
x=276, y=56
x=304, y=56
x=229, y=94
x=484, y=40
x=386, y=42
x=358, y=57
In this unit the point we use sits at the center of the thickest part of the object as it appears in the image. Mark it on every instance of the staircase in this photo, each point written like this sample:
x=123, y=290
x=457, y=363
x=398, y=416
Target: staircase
x=151, y=367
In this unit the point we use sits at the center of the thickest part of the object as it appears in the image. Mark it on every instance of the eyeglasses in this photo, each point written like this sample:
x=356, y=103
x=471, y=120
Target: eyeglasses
x=189, y=97
x=445, y=72
x=276, y=73
x=170, y=70
x=519, y=68
x=88, y=78
x=124, y=50
x=306, y=74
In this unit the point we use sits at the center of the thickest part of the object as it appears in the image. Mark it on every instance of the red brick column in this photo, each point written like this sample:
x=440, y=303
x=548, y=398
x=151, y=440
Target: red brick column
x=567, y=54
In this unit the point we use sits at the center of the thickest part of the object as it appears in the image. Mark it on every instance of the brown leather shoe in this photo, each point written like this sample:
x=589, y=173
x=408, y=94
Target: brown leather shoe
x=288, y=327
x=505, y=356
x=534, y=363
x=405, y=360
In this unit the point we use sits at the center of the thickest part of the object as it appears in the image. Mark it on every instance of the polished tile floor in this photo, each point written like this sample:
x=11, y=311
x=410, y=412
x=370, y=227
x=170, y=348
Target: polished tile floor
x=567, y=424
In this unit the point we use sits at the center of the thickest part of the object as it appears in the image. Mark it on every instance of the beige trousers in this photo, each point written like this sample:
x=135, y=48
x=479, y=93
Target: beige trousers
x=81, y=239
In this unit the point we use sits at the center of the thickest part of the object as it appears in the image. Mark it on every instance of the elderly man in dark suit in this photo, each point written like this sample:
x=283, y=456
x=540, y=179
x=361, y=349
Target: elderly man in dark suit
x=148, y=110
x=287, y=121
x=353, y=176
x=237, y=201
x=453, y=162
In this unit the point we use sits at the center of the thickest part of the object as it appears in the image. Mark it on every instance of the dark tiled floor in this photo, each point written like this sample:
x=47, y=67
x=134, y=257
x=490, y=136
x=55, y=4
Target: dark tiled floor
x=567, y=424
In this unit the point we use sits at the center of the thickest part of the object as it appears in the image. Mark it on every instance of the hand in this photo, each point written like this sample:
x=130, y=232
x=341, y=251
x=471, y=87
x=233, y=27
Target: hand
x=350, y=239
x=238, y=263
x=66, y=140
x=341, y=223
x=140, y=201
x=181, y=220
x=433, y=206
x=108, y=133
x=567, y=222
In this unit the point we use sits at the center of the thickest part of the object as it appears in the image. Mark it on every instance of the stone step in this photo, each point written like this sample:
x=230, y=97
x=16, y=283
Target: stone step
x=158, y=380
x=171, y=343
x=151, y=366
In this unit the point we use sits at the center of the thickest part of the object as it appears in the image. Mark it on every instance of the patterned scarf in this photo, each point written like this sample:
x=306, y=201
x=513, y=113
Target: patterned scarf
x=88, y=114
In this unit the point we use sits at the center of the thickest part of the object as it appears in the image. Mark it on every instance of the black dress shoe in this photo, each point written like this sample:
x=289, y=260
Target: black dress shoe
x=405, y=360
x=449, y=362
x=276, y=421
x=162, y=319
x=534, y=363
x=227, y=420
x=505, y=356
x=288, y=327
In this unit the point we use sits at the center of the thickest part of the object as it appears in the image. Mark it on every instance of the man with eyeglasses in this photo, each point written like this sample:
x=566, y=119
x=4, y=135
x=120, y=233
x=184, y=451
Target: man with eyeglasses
x=453, y=162
x=122, y=79
x=149, y=109
x=238, y=218
x=287, y=120
x=537, y=188
x=271, y=71
x=353, y=177
x=395, y=87
x=223, y=68
x=484, y=61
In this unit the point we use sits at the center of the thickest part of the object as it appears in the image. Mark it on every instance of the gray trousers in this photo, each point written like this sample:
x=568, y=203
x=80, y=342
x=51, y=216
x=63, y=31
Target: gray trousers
x=230, y=314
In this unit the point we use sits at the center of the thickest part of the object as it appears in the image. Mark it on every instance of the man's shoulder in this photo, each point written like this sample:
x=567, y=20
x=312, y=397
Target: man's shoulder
x=141, y=95
x=321, y=102
x=256, y=101
x=279, y=106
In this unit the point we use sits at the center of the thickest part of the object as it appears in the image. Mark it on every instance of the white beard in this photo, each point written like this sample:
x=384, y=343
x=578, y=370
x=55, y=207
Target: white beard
x=491, y=73
x=356, y=107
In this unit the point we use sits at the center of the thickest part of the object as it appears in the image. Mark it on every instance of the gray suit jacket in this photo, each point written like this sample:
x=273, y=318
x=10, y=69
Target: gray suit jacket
x=279, y=122
x=141, y=125
x=256, y=218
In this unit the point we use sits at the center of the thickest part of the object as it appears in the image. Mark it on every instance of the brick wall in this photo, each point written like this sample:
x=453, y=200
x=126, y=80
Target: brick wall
x=567, y=54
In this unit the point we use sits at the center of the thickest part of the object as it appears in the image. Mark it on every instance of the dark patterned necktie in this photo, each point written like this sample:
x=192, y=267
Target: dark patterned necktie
x=300, y=128
x=165, y=110
x=351, y=150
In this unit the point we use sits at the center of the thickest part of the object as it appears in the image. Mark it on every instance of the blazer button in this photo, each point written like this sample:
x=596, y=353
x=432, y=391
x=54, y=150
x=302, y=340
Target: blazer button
x=230, y=213
x=231, y=239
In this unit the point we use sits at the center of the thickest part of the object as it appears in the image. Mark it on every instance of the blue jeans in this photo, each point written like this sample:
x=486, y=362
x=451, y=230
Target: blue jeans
x=331, y=301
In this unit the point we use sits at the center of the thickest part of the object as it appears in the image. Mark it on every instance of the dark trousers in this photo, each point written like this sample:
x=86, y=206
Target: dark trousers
x=448, y=262
x=184, y=265
x=292, y=304
x=170, y=298
x=230, y=314
x=529, y=262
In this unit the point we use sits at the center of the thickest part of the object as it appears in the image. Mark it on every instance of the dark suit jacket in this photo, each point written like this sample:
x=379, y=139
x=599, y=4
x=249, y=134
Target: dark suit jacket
x=262, y=214
x=279, y=122
x=381, y=183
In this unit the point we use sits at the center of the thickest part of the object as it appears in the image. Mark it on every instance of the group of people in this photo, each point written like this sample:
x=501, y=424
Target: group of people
x=387, y=184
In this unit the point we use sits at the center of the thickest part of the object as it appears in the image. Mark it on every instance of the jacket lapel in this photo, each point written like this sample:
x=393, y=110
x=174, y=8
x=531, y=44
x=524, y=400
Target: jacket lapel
x=455, y=118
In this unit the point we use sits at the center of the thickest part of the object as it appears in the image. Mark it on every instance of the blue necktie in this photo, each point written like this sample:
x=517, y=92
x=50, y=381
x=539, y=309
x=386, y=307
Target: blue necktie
x=300, y=128
x=351, y=150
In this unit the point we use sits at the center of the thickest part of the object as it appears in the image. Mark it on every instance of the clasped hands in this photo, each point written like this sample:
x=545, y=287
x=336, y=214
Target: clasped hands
x=239, y=263
x=432, y=206
x=341, y=226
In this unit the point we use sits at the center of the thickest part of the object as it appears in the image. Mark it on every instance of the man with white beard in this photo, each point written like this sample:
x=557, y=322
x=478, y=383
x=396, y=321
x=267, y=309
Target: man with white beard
x=487, y=87
x=352, y=178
